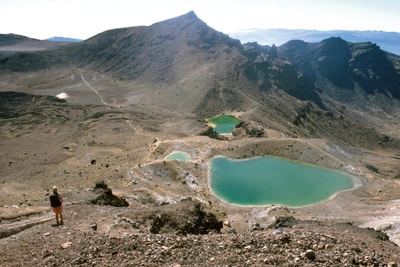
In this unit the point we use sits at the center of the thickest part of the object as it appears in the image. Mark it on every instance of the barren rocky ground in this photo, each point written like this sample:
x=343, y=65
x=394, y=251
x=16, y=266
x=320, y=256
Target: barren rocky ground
x=128, y=155
x=292, y=244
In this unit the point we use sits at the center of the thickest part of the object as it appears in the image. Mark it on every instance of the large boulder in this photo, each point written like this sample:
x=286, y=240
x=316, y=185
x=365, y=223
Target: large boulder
x=106, y=197
x=212, y=134
x=185, y=217
x=248, y=129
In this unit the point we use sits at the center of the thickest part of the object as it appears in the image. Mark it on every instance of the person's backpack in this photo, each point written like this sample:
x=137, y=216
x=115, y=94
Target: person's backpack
x=55, y=200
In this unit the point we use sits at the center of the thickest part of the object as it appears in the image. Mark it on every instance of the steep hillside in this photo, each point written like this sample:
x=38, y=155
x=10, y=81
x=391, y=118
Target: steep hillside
x=158, y=53
x=345, y=66
x=181, y=61
x=11, y=39
x=14, y=42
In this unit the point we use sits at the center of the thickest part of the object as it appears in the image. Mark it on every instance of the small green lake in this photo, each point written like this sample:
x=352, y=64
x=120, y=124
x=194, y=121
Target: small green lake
x=223, y=124
x=268, y=180
x=178, y=155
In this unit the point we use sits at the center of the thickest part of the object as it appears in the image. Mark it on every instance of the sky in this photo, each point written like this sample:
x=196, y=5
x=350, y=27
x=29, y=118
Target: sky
x=82, y=19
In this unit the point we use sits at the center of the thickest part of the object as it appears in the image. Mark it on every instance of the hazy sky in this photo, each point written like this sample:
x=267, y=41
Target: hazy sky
x=82, y=19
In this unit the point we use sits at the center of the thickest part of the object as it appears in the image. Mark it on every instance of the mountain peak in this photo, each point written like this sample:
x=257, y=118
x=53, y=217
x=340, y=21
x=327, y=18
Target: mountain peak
x=182, y=19
x=191, y=14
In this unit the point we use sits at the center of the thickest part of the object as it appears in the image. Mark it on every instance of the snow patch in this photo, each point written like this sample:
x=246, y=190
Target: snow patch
x=62, y=95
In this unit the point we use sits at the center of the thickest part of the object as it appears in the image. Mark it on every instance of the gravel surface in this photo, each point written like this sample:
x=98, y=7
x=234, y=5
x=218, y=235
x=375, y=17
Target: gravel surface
x=80, y=242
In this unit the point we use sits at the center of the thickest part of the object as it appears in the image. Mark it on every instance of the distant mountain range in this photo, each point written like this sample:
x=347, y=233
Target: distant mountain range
x=388, y=41
x=63, y=39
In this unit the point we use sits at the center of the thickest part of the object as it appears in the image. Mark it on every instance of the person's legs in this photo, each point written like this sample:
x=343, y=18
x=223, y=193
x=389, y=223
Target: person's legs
x=57, y=217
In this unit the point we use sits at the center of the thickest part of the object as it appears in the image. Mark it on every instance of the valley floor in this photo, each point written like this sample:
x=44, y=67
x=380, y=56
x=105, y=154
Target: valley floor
x=74, y=148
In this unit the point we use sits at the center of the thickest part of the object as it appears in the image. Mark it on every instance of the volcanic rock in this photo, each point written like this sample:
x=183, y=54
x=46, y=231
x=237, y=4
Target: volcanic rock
x=106, y=196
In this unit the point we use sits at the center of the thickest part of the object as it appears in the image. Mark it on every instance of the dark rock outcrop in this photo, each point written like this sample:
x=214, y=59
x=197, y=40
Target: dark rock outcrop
x=185, y=217
x=371, y=69
x=106, y=196
x=288, y=221
x=332, y=61
x=212, y=134
x=248, y=129
x=202, y=223
x=344, y=65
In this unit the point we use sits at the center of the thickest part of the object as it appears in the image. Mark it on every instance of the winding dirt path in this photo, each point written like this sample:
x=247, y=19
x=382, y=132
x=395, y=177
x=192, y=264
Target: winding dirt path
x=7, y=230
x=94, y=90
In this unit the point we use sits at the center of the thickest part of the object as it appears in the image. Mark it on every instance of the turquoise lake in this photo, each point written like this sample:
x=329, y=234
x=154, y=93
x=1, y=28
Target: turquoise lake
x=268, y=180
x=223, y=124
x=177, y=155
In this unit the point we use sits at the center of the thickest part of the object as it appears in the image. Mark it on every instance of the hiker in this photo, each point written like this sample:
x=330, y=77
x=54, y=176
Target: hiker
x=56, y=203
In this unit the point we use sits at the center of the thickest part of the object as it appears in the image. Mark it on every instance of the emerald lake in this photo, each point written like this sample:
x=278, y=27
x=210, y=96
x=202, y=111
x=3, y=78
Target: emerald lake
x=223, y=124
x=268, y=180
x=177, y=155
